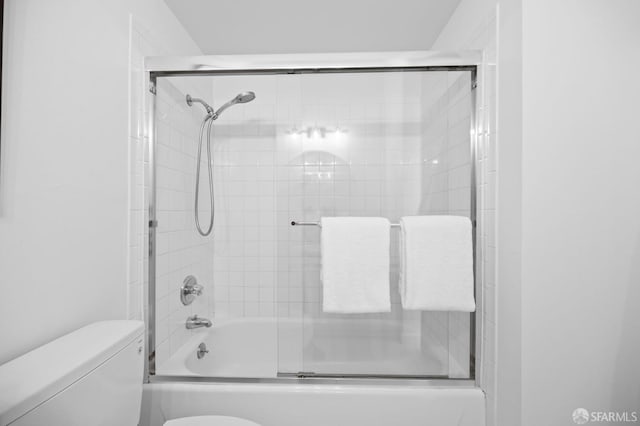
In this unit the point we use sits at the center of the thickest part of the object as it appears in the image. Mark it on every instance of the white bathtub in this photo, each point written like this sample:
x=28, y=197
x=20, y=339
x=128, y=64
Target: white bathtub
x=259, y=348
x=262, y=347
x=315, y=405
x=237, y=348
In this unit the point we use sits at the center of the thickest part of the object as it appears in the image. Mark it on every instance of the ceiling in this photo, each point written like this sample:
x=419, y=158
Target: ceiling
x=309, y=26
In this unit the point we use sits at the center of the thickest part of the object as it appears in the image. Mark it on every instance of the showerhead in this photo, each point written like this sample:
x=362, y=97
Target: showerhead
x=245, y=97
x=241, y=98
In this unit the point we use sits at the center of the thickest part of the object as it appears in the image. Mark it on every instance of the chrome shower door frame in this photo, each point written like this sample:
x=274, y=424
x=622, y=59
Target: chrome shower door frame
x=156, y=67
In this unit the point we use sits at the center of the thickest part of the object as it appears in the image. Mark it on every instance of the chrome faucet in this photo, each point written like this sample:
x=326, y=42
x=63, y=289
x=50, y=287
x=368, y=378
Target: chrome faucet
x=202, y=351
x=189, y=290
x=195, y=322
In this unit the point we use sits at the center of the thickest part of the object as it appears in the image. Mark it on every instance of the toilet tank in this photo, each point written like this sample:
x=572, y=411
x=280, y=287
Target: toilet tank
x=92, y=376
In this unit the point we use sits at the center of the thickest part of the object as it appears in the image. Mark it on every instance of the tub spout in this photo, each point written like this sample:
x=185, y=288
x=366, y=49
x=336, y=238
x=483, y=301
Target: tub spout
x=195, y=322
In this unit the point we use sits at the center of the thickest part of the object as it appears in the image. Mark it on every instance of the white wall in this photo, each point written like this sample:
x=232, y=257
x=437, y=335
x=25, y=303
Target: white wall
x=63, y=188
x=293, y=26
x=495, y=27
x=581, y=209
x=568, y=229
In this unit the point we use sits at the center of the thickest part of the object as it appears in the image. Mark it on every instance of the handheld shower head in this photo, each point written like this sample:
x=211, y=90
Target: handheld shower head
x=245, y=97
x=241, y=98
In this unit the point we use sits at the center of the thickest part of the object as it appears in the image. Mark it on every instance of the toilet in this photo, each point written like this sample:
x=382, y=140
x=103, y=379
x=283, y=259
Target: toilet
x=210, y=420
x=92, y=376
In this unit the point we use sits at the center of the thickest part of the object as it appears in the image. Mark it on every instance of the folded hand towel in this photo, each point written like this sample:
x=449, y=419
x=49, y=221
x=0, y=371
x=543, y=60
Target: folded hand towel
x=436, y=263
x=355, y=264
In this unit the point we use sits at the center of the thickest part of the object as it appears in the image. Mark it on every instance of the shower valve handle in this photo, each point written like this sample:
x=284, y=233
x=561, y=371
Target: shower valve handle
x=195, y=290
x=189, y=290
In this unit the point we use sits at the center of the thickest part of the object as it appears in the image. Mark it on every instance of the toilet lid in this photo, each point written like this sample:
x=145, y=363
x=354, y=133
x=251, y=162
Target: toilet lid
x=210, y=421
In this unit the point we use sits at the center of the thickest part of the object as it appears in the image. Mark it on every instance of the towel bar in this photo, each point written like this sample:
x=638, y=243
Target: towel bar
x=294, y=223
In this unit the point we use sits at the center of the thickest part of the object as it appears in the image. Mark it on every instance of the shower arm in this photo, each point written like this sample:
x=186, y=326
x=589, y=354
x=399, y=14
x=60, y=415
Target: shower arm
x=210, y=111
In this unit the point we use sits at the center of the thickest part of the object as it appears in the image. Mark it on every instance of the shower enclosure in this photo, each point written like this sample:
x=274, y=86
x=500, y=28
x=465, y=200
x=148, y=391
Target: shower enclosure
x=326, y=135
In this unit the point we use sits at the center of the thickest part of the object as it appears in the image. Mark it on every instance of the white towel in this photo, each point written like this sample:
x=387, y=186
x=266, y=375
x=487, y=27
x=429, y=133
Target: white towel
x=436, y=263
x=355, y=264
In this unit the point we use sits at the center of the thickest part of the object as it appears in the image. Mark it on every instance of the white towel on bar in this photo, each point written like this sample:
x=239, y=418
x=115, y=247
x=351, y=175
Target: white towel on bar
x=436, y=263
x=355, y=264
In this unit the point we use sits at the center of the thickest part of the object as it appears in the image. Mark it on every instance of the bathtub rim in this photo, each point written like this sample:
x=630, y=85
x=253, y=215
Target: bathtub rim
x=164, y=401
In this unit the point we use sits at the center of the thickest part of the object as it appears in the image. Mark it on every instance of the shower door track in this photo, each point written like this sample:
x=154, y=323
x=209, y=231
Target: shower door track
x=376, y=380
x=409, y=61
x=312, y=375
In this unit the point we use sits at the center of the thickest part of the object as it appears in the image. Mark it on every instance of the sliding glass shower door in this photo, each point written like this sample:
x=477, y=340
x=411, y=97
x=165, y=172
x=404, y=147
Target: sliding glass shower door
x=381, y=143
x=386, y=144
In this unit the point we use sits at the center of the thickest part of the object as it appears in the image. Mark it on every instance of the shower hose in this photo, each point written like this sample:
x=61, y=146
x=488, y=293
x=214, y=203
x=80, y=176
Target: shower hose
x=208, y=120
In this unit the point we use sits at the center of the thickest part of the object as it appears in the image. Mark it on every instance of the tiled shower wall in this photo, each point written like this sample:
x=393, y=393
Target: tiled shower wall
x=394, y=144
x=446, y=190
x=371, y=168
x=446, y=175
x=485, y=38
x=179, y=253
x=308, y=146
x=244, y=230
x=180, y=250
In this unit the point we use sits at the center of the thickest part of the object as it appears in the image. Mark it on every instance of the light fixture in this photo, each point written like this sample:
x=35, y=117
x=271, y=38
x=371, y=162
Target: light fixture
x=316, y=131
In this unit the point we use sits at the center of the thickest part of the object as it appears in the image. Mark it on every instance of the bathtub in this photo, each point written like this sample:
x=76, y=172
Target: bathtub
x=315, y=405
x=254, y=348
x=237, y=348
x=264, y=347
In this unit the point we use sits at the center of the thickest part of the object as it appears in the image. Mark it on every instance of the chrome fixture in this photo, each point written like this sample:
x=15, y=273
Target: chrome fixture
x=296, y=223
x=212, y=115
x=202, y=351
x=191, y=100
x=241, y=98
x=195, y=322
x=190, y=289
x=321, y=131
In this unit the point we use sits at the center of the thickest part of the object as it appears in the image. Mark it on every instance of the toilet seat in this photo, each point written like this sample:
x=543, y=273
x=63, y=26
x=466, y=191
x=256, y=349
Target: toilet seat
x=210, y=421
